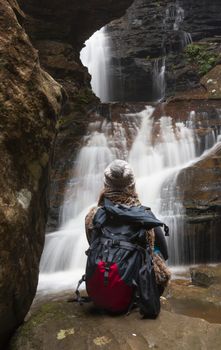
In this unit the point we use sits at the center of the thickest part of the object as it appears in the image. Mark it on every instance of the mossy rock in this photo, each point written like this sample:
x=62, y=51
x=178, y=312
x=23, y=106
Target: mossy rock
x=201, y=56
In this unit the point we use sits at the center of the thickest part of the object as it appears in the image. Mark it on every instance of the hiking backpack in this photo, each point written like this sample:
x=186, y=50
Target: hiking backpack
x=119, y=269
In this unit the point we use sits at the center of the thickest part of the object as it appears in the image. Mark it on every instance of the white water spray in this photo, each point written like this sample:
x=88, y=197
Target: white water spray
x=96, y=57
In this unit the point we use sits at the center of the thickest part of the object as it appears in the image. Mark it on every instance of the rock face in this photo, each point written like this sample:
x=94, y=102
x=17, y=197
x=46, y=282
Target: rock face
x=31, y=102
x=155, y=33
x=201, y=192
x=46, y=18
x=198, y=185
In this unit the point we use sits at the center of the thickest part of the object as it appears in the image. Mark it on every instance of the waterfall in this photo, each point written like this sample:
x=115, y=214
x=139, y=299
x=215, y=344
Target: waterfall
x=156, y=167
x=171, y=208
x=173, y=21
x=63, y=259
x=159, y=83
x=159, y=150
x=186, y=39
x=90, y=163
x=96, y=57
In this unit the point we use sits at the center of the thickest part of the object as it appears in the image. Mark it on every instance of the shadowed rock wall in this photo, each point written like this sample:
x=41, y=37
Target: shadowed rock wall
x=150, y=31
x=30, y=101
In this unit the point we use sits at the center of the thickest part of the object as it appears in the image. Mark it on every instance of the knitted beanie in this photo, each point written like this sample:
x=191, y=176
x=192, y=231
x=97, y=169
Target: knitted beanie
x=119, y=175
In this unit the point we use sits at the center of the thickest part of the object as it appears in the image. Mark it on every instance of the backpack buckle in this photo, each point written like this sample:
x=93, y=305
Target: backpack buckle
x=107, y=267
x=115, y=242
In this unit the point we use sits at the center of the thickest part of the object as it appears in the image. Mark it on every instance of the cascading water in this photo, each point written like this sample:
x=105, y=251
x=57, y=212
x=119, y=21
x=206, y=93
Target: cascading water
x=156, y=162
x=63, y=256
x=156, y=167
x=159, y=83
x=186, y=39
x=63, y=259
x=90, y=164
x=96, y=57
x=182, y=248
x=172, y=22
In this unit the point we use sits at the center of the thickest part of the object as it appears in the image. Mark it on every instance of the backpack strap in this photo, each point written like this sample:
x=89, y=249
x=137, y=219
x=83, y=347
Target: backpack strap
x=108, y=255
x=79, y=298
x=116, y=243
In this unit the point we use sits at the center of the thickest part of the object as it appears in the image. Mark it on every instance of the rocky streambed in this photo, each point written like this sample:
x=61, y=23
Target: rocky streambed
x=190, y=319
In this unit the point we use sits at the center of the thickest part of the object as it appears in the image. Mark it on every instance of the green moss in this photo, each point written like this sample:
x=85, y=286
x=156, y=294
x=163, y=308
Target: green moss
x=83, y=97
x=64, y=121
x=46, y=312
x=26, y=333
x=201, y=56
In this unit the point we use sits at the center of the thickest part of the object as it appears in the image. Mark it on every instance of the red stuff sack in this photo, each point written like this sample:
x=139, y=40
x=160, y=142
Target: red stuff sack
x=112, y=268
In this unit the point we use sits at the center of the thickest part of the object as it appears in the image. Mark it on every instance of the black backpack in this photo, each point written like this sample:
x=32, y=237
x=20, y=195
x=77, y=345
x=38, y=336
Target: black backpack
x=119, y=270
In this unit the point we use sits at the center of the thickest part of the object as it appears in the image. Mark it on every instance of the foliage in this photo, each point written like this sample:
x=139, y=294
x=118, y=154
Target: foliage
x=201, y=56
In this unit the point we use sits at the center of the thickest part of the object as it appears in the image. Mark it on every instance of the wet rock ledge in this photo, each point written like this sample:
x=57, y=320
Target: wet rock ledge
x=62, y=325
x=65, y=326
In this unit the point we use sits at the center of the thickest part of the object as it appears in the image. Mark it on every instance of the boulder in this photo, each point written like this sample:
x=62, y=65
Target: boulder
x=203, y=277
x=69, y=326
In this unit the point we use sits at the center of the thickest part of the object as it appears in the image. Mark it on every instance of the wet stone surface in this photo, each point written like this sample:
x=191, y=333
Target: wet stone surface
x=66, y=325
